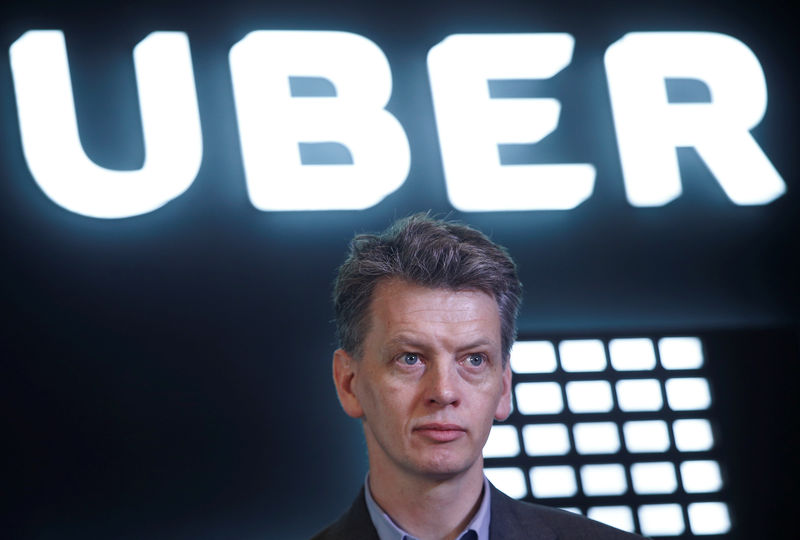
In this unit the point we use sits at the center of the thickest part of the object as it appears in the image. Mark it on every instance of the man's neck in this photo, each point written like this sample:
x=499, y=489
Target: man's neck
x=428, y=508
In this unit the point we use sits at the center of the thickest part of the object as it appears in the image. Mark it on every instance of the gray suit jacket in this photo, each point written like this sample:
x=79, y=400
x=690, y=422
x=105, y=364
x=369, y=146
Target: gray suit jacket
x=511, y=520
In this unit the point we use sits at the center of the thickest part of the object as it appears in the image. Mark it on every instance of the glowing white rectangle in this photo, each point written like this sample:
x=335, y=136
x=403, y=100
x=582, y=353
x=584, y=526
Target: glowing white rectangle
x=533, y=357
x=545, y=439
x=701, y=476
x=661, y=519
x=709, y=518
x=646, y=436
x=582, y=355
x=596, y=438
x=656, y=477
x=620, y=517
x=502, y=442
x=553, y=481
x=539, y=398
x=632, y=354
x=589, y=396
x=639, y=395
x=680, y=352
x=606, y=479
x=509, y=480
x=688, y=394
x=693, y=435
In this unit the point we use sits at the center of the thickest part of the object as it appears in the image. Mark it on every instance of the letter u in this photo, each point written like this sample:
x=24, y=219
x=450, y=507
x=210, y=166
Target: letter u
x=49, y=128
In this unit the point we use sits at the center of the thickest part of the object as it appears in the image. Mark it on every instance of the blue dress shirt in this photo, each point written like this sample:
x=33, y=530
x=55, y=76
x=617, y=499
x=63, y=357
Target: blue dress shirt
x=478, y=528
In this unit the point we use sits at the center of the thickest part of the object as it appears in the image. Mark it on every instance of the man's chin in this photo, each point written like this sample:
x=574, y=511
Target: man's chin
x=444, y=467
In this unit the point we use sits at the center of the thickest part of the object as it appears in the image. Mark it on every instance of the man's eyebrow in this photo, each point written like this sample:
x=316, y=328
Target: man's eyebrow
x=404, y=340
x=478, y=343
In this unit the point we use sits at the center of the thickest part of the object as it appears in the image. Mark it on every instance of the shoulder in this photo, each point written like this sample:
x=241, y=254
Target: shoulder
x=354, y=523
x=516, y=519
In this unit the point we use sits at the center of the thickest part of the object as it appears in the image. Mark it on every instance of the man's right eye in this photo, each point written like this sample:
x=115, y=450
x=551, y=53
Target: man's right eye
x=410, y=359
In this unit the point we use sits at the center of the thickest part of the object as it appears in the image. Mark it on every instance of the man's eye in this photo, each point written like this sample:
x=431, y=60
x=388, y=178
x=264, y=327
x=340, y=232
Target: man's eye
x=475, y=360
x=410, y=359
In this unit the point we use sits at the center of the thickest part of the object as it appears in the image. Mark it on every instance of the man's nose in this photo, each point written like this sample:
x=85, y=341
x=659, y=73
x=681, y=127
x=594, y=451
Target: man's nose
x=443, y=382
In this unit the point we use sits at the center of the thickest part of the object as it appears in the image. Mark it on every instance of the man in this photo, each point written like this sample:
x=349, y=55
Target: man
x=426, y=316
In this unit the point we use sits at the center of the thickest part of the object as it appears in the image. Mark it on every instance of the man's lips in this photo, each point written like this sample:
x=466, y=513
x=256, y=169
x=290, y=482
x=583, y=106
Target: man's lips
x=440, y=432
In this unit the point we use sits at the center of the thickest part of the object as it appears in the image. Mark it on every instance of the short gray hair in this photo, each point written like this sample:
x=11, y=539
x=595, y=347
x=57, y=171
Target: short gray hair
x=429, y=252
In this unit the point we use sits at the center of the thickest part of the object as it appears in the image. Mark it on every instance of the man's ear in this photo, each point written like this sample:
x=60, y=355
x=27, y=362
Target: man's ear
x=504, y=406
x=345, y=371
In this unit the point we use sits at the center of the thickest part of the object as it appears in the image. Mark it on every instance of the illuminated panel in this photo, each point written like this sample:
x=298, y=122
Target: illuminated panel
x=596, y=437
x=701, y=476
x=646, y=436
x=509, y=480
x=628, y=442
x=539, y=398
x=589, y=396
x=503, y=442
x=632, y=354
x=687, y=394
x=639, y=395
x=709, y=518
x=173, y=146
x=681, y=353
x=693, y=435
x=545, y=439
x=661, y=519
x=533, y=357
x=654, y=477
x=273, y=123
x=606, y=479
x=649, y=128
x=620, y=517
x=555, y=481
x=471, y=124
x=582, y=355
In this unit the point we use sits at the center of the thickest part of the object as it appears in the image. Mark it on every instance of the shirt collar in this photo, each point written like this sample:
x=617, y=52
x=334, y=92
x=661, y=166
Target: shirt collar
x=389, y=530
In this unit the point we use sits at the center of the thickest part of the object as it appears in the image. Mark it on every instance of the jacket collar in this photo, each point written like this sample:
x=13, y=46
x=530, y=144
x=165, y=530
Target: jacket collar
x=512, y=519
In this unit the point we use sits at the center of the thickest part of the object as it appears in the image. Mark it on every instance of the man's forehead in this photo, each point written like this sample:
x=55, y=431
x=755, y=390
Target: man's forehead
x=401, y=307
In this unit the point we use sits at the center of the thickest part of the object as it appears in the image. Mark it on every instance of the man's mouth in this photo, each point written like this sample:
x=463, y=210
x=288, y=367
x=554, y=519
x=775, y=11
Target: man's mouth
x=438, y=432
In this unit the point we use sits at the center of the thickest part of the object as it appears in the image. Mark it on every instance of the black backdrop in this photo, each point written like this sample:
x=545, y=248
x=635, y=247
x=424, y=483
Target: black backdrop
x=167, y=376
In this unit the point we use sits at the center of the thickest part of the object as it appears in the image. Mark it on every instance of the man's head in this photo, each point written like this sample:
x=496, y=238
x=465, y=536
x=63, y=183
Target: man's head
x=427, y=252
x=426, y=315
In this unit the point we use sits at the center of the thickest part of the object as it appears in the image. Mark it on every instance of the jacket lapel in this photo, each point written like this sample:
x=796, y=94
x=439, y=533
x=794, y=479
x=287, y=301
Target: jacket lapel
x=514, y=520
x=354, y=524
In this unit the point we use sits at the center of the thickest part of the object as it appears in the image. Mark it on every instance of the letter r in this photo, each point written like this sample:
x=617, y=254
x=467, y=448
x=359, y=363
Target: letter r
x=649, y=128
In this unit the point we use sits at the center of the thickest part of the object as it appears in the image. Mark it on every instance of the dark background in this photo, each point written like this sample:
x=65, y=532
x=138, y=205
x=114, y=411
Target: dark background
x=167, y=375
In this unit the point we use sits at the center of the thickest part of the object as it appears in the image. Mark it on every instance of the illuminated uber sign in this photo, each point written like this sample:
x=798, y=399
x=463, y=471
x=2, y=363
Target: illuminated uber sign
x=273, y=122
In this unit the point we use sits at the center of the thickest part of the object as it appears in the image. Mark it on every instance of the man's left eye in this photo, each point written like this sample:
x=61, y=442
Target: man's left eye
x=410, y=358
x=475, y=360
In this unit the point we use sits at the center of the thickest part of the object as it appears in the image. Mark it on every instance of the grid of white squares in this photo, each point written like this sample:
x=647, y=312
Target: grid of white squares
x=636, y=388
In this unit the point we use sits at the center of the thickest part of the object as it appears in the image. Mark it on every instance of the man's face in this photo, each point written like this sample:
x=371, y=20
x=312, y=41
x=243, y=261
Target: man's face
x=430, y=381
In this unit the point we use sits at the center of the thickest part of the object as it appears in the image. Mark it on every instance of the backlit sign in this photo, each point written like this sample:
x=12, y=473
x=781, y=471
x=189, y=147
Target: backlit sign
x=273, y=122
